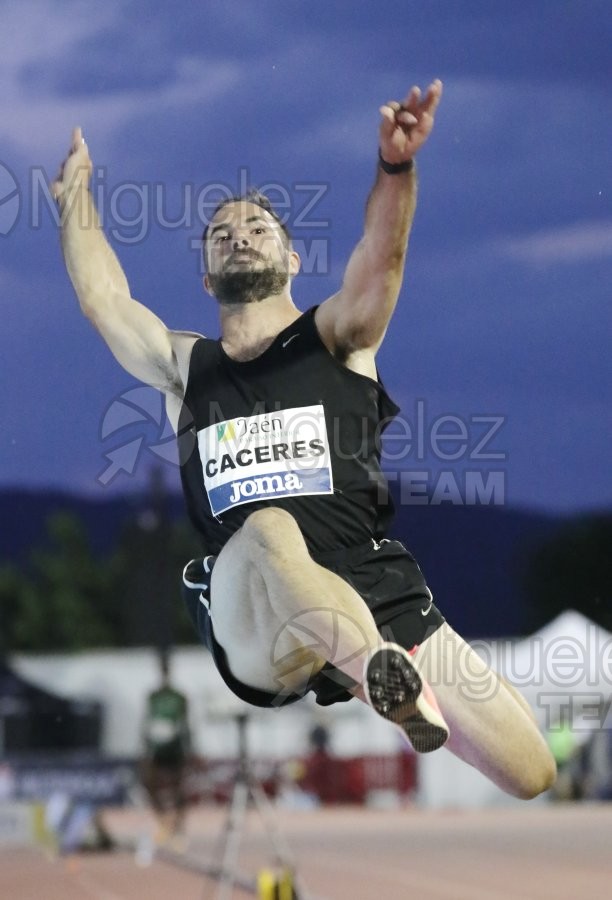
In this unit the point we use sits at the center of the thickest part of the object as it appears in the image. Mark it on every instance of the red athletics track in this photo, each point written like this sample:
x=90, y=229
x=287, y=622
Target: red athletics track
x=540, y=852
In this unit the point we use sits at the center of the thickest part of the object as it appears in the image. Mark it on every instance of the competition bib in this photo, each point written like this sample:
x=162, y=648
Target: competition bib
x=280, y=454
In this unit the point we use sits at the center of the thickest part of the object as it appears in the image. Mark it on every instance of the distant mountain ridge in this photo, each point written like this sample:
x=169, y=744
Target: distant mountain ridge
x=473, y=557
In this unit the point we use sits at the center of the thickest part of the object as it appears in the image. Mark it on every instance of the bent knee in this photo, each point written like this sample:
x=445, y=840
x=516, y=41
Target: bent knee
x=271, y=529
x=537, y=778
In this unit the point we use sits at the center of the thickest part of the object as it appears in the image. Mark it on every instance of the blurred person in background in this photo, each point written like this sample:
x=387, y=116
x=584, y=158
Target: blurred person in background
x=167, y=747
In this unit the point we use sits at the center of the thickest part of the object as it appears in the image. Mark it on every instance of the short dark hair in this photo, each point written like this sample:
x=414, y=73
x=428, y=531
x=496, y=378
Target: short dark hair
x=258, y=199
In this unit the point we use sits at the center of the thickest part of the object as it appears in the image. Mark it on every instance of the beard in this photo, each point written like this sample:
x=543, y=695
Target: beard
x=235, y=288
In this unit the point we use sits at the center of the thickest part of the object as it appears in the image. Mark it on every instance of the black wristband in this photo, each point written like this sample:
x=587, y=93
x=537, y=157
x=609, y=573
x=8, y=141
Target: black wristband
x=394, y=168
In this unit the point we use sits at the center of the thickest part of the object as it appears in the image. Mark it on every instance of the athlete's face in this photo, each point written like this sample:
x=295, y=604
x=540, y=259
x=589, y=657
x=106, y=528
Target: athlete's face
x=248, y=257
x=242, y=237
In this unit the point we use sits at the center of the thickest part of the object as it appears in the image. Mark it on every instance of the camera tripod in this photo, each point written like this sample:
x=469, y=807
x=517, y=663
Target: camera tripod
x=247, y=789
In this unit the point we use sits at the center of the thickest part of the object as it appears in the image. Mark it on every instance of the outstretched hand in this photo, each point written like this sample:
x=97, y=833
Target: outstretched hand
x=76, y=168
x=406, y=126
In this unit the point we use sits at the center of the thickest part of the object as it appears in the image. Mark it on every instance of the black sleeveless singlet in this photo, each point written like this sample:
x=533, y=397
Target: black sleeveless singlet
x=292, y=428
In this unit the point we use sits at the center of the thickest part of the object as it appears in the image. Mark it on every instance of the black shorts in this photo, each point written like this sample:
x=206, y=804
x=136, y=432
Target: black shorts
x=389, y=580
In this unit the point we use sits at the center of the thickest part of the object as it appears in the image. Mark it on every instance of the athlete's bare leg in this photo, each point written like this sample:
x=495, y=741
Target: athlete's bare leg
x=279, y=615
x=491, y=726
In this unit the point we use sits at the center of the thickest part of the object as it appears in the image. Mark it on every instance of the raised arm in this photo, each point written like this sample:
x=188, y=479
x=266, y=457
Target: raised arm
x=137, y=338
x=356, y=318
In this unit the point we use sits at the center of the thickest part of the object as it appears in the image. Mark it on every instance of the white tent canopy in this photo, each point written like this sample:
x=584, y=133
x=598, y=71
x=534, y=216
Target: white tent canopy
x=563, y=670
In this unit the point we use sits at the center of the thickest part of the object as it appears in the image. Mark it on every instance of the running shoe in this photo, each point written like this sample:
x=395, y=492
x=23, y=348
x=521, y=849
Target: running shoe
x=398, y=693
